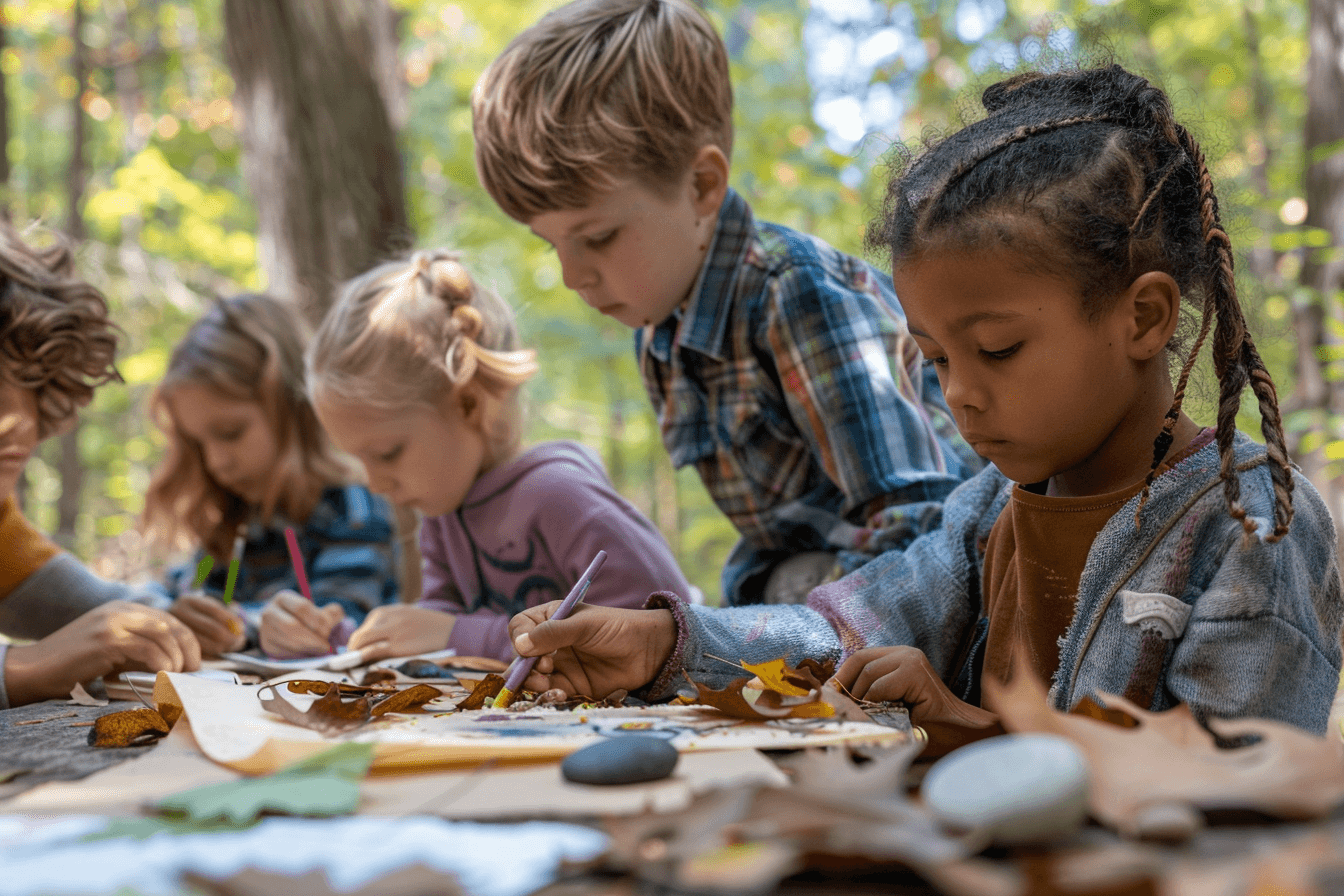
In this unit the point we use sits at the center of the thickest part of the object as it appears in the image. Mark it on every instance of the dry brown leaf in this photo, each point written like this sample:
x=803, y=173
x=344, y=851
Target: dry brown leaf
x=485, y=689
x=864, y=771
x=1169, y=759
x=731, y=701
x=410, y=699
x=319, y=686
x=327, y=715
x=130, y=727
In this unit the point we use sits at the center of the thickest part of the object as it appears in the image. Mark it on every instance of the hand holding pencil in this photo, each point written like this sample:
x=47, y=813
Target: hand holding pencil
x=593, y=650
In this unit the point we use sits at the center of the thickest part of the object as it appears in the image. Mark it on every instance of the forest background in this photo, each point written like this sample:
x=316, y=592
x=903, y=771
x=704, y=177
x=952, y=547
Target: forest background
x=122, y=127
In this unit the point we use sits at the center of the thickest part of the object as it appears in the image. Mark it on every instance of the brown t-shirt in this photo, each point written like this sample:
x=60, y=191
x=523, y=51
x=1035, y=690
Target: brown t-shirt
x=1034, y=560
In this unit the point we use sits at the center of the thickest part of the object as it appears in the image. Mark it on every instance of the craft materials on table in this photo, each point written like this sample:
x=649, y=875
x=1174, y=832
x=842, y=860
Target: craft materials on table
x=336, y=661
x=232, y=728
x=522, y=666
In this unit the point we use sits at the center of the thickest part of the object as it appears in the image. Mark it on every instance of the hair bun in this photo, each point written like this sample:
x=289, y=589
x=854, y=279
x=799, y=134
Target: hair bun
x=451, y=282
x=468, y=321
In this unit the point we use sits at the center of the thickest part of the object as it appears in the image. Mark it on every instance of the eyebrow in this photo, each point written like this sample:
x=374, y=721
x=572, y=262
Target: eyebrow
x=962, y=324
x=582, y=224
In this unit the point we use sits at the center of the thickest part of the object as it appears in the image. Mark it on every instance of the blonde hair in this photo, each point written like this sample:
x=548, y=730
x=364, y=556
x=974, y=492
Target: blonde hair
x=246, y=348
x=55, y=336
x=596, y=92
x=412, y=332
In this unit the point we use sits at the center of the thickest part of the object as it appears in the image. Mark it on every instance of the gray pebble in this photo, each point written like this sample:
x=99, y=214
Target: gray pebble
x=1018, y=788
x=624, y=759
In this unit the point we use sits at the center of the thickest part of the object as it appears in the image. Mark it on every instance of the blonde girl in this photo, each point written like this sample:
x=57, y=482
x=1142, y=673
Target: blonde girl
x=247, y=458
x=416, y=371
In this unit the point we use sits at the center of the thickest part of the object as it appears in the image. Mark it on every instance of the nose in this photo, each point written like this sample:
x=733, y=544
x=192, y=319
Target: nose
x=384, y=484
x=218, y=460
x=962, y=391
x=575, y=271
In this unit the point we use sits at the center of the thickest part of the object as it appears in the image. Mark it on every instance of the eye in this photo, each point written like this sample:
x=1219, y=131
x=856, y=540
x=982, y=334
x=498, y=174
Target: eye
x=1002, y=354
x=231, y=435
x=602, y=239
x=388, y=456
x=940, y=361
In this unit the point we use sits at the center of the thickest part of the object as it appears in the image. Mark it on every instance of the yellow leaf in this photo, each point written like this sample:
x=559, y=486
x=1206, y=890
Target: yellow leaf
x=771, y=675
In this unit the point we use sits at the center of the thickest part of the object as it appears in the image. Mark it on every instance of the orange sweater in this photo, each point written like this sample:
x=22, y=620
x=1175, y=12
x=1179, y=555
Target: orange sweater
x=23, y=549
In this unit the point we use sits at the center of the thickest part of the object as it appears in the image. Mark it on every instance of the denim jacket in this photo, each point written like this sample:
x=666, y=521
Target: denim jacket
x=1250, y=628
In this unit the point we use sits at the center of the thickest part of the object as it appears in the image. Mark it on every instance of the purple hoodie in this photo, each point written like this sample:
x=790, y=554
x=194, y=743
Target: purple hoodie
x=525, y=533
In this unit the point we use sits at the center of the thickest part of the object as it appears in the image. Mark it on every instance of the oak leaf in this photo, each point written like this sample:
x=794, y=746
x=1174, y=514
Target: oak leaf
x=1169, y=760
x=327, y=715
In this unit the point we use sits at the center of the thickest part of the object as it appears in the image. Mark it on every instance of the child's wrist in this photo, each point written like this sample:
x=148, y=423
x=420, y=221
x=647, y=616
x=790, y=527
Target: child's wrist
x=28, y=678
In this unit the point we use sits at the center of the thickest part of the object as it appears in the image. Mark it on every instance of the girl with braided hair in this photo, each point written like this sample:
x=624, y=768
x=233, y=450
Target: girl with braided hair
x=416, y=372
x=1042, y=255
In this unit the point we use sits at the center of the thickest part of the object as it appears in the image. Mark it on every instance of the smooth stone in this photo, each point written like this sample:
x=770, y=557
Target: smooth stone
x=1018, y=788
x=624, y=759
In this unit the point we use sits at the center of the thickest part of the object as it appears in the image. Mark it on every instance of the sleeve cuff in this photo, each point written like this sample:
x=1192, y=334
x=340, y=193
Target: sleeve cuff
x=670, y=678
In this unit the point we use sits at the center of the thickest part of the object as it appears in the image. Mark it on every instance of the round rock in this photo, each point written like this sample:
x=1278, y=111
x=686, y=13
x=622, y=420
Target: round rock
x=1019, y=788
x=625, y=759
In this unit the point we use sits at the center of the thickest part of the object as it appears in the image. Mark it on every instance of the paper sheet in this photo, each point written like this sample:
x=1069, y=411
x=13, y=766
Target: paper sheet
x=531, y=791
x=232, y=728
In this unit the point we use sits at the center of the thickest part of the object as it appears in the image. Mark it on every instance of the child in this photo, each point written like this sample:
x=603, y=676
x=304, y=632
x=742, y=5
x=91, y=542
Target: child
x=781, y=368
x=1042, y=255
x=246, y=457
x=56, y=346
x=415, y=371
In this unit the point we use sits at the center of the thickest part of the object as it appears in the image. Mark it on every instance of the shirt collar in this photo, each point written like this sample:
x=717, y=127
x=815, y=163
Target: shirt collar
x=702, y=322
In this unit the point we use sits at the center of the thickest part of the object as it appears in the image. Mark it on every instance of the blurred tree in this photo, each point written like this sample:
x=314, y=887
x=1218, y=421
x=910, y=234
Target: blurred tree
x=1319, y=397
x=319, y=146
x=315, y=85
x=71, y=467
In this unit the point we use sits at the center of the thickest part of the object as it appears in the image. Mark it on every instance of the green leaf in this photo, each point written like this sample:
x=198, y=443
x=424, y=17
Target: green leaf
x=243, y=802
x=322, y=785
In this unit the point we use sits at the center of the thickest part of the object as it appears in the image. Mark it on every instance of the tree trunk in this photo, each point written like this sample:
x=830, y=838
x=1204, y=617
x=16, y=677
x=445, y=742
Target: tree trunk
x=319, y=145
x=318, y=101
x=70, y=465
x=1319, y=390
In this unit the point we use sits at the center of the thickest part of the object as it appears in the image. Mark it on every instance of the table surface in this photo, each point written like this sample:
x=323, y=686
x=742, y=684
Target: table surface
x=47, y=743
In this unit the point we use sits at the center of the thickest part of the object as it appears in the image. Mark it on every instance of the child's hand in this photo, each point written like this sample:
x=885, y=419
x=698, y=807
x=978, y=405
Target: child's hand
x=219, y=629
x=402, y=630
x=884, y=674
x=292, y=626
x=595, y=650
x=115, y=637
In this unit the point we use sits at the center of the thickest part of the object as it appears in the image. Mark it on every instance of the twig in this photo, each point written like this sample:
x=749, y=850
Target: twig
x=67, y=715
x=135, y=691
x=729, y=662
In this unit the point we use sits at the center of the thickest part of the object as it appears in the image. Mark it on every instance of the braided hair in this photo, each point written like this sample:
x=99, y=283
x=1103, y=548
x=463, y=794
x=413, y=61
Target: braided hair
x=1112, y=186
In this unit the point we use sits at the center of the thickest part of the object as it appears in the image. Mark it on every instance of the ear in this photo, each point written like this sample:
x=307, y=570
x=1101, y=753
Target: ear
x=709, y=180
x=1152, y=306
x=469, y=400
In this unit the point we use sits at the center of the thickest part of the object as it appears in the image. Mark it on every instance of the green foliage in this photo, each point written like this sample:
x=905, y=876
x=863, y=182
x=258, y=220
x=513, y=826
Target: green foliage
x=170, y=223
x=320, y=786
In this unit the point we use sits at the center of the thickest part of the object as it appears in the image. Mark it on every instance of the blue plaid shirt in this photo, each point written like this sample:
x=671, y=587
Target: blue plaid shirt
x=349, y=553
x=790, y=381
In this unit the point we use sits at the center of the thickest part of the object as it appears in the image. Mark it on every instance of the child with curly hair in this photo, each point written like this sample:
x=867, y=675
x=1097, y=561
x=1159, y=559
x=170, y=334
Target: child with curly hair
x=56, y=346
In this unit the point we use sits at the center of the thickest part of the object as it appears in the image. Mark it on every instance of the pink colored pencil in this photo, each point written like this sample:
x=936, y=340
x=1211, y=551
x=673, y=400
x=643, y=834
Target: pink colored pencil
x=297, y=559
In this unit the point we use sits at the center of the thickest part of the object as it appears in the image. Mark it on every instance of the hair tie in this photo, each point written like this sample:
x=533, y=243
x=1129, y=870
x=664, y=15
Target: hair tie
x=460, y=359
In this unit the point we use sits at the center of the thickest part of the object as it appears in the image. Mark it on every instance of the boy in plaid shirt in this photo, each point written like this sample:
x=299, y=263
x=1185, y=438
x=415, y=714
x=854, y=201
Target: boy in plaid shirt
x=780, y=367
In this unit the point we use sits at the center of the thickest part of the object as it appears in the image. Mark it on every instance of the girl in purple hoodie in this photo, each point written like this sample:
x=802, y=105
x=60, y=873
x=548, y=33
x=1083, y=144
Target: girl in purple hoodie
x=416, y=372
